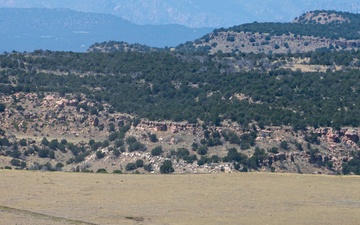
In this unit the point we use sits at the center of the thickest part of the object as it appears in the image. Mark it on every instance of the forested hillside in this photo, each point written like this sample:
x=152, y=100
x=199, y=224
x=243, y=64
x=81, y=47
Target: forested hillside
x=312, y=30
x=129, y=104
x=181, y=87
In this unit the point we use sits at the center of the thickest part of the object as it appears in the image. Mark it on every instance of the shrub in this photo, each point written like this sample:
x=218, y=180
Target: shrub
x=166, y=167
x=130, y=140
x=148, y=167
x=230, y=38
x=284, y=145
x=153, y=138
x=117, y=171
x=101, y=170
x=2, y=107
x=130, y=166
x=59, y=165
x=54, y=144
x=116, y=152
x=202, y=150
x=118, y=143
x=190, y=158
x=51, y=154
x=4, y=142
x=182, y=152
x=105, y=144
x=274, y=150
x=23, y=142
x=64, y=141
x=194, y=146
x=100, y=154
x=45, y=141
x=15, y=162
x=136, y=146
x=156, y=151
x=43, y=153
x=139, y=163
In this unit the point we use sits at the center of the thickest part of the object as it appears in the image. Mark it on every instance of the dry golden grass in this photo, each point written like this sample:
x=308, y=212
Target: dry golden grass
x=251, y=198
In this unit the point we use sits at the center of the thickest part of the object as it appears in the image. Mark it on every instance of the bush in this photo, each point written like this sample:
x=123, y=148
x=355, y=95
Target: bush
x=117, y=171
x=190, y=158
x=54, y=144
x=148, y=167
x=136, y=146
x=100, y=154
x=153, y=138
x=274, y=150
x=51, y=154
x=15, y=162
x=116, y=153
x=230, y=38
x=182, y=152
x=157, y=151
x=43, y=153
x=139, y=163
x=59, y=165
x=23, y=142
x=166, y=167
x=45, y=141
x=130, y=140
x=234, y=155
x=284, y=145
x=130, y=166
x=118, y=143
x=101, y=170
x=4, y=142
x=2, y=107
x=202, y=150
x=202, y=161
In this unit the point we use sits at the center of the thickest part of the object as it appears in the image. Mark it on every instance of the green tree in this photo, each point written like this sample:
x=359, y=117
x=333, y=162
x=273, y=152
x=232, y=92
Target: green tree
x=166, y=167
x=100, y=154
x=130, y=166
x=23, y=142
x=153, y=138
x=45, y=141
x=139, y=163
x=202, y=150
x=2, y=107
x=156, y=151
x=284, y=145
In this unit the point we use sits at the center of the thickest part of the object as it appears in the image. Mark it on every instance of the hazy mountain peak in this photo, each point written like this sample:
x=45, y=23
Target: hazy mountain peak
x=195, y=13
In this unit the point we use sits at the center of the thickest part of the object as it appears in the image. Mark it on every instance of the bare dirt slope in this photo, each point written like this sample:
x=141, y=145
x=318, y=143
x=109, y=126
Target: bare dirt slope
x=254, y=198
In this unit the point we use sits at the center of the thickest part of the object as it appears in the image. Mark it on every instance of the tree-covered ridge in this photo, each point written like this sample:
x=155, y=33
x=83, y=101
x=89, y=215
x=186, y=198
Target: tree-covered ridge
x=313, y=30
x=178, y=87
x=348, y=30
x=327, y=17
x=120, y=46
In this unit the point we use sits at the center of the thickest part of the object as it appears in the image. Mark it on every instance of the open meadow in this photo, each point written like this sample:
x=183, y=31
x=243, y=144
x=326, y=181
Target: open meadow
x=240, y=198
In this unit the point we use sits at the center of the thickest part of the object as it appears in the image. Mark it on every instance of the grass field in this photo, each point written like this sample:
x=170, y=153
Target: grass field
x=247, y=198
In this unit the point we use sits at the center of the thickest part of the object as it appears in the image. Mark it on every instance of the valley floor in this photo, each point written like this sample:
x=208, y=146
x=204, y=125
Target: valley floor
x=241, y=198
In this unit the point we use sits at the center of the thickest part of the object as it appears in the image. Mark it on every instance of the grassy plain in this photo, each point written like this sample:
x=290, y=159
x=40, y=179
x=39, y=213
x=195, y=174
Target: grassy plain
x=240, y=198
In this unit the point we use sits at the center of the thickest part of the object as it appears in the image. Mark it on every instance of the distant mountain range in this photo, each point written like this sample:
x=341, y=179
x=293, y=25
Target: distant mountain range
x=28, y=29
x=194, y=13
